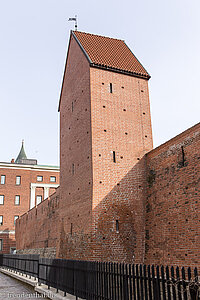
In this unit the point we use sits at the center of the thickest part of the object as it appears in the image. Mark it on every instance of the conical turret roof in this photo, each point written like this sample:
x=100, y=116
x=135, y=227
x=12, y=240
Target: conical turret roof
x=21, y=155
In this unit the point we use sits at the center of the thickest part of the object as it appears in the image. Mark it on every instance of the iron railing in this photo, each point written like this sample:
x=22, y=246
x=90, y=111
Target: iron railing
x=108, y=281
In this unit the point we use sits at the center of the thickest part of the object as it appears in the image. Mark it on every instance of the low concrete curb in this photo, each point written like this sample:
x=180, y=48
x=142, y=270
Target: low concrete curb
x=41, y=289
x=19, y=277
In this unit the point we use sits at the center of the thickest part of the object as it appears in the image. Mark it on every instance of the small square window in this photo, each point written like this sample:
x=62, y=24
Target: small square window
x=1, y=220
x=3, y=179
x=52, y=178
x=12, y=250
x=1, y=245
x=15, y=218
x=18, y=180
x=38, y=199
x=1, y=199
x=17, y=200
x=40, y=178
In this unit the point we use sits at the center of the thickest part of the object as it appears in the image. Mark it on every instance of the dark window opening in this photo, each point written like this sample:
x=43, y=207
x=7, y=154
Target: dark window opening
x=72, y=106
x=111, y=88
x=114, y=157
x=71, y=230
x=117, y=226
x=73, y=169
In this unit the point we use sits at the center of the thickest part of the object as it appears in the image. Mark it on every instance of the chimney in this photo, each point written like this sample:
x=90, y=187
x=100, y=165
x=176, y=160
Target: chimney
x=12, y=161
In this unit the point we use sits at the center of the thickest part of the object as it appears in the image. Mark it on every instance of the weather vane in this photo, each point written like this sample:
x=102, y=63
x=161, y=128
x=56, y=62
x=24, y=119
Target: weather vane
x=74, y=19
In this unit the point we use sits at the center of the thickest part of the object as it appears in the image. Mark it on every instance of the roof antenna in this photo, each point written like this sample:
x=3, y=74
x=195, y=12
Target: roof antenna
x=74, y=19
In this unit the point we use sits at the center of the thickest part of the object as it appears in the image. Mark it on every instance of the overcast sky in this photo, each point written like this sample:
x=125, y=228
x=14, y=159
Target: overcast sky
x=163, y=34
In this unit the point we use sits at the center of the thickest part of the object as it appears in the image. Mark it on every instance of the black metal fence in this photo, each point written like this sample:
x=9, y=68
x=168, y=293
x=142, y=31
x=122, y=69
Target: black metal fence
x=26, y=264
x=108, y=281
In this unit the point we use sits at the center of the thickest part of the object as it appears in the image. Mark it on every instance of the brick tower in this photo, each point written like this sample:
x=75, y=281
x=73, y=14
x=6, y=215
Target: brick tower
x=105, y=131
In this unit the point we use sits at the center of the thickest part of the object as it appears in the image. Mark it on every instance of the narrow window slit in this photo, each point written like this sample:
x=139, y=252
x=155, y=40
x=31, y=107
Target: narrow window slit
x=111, y=88
x=183, y=156
x=114, y=157
x=117, y=226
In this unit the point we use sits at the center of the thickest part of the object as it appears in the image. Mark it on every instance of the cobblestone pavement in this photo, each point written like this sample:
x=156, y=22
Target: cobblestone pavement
x=13, y=289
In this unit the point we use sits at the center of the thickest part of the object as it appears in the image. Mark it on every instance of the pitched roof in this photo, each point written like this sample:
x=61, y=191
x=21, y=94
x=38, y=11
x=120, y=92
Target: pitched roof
x=21, y=155
x=109, y=53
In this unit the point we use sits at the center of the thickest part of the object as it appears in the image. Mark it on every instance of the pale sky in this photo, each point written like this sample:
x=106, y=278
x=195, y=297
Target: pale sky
x=163, y=34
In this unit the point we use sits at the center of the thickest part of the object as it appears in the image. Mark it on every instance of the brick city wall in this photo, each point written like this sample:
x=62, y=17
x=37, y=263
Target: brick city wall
x=172, y=207
x=38, y=228
x=166, y=189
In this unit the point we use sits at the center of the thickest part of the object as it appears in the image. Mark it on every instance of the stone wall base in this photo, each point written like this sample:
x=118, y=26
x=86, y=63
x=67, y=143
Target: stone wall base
x=43, y=252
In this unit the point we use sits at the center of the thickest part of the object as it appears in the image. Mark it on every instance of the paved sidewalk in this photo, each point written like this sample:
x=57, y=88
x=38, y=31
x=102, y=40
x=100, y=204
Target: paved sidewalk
x=13, y=289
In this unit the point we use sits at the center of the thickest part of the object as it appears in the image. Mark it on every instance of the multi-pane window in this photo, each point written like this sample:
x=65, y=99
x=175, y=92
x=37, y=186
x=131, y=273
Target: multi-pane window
x=53, y=179
x=3, y=179
x=1, y=199
x=18, y=180
x=1, y=245
x=17, y=200
x=15, y=218
x=38, y=199
x=1, y=220
x=40, y=178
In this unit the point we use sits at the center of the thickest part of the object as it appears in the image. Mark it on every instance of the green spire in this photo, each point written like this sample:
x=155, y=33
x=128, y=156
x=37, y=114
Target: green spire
x=22, y=154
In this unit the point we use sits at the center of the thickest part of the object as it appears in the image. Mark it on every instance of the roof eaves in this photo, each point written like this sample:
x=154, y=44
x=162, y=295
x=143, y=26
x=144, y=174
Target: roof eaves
x=104, y=67
x=82, y=48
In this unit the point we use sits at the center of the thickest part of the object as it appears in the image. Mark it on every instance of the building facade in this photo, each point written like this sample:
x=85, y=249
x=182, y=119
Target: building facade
x=118, y=198
x=24, y=184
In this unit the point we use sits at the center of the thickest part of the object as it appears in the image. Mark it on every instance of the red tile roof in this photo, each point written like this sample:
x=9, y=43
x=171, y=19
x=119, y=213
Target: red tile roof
x=109, y=53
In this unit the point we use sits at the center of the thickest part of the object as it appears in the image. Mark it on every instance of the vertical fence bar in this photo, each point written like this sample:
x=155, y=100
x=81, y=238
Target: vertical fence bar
x=134, y=284
x=154, y=283
x=118, y=282
x=149, y=282
x=178, y=283
x=163, y=283
x=115, y=283
x=158, y=282
x=130, y=282
x=145, y=282
x=141, y=283
x=173, y=283
x=125, y=281
x=109, y=282
x=184, y=283
x=138, y=283
x=168, y=283
x=121, y=281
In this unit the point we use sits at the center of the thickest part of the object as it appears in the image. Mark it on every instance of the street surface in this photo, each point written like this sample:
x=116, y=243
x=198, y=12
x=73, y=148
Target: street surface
x=13, y=289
